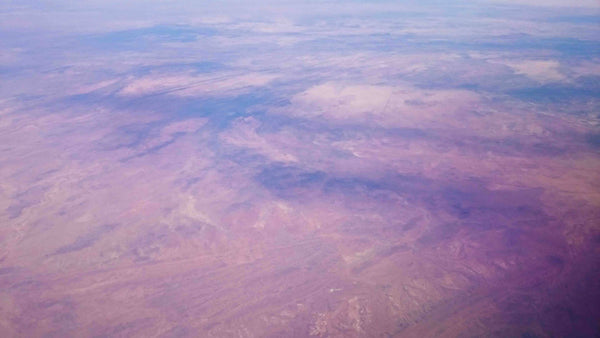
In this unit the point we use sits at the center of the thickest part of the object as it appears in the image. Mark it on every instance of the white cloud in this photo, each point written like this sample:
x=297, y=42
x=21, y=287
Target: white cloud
x=195, y=85
x=543, y=71
x=400, y=105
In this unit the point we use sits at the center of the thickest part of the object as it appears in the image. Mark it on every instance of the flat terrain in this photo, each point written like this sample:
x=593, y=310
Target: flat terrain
x=293, y=170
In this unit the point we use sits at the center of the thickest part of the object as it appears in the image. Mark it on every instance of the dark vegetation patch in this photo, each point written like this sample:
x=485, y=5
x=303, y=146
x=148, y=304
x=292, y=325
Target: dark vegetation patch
x=593, y=140
x=86, y=240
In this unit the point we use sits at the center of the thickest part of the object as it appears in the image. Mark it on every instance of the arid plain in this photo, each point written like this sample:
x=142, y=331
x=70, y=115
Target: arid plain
x=293, y=170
